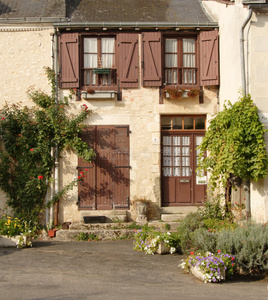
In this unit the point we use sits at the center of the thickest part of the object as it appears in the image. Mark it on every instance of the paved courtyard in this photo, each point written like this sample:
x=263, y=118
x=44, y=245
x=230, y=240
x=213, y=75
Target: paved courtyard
x=108, y=270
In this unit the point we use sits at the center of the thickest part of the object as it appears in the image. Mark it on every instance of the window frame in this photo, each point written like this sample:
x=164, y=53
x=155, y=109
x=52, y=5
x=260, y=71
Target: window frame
x=194, y=129
x=114, y=69
x=180, y=38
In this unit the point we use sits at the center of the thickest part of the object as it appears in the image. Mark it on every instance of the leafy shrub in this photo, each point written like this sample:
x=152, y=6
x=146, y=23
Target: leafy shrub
x=28, y=135
x=249, y=245
x=218, y=225
x=204, y=240
x=213, y=209
x=186, y=228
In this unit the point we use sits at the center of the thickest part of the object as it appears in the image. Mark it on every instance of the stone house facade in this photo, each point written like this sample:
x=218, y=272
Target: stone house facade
x=149, y=73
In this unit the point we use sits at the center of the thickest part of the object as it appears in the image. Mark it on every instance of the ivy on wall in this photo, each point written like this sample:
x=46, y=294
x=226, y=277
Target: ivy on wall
x=27, y=137
x=235, y=145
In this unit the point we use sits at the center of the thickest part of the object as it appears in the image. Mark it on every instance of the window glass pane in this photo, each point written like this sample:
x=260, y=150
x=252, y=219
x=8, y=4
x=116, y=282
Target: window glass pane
x=171, y=61
x=171, y=45
x=177, y=123
x=200, y=123
x=107, y=49
x=188, y=123
x=188, y=45
x=90, y=53
x=166, y=123
x=90, y=60
x=90, y=45
x=167, y=140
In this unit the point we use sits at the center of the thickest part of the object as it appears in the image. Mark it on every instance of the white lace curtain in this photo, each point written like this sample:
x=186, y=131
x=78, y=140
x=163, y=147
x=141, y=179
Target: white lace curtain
x=91, y=59
x=171, y=60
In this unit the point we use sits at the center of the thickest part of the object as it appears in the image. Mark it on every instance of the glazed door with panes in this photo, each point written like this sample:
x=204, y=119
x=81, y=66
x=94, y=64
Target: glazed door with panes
x=106, y=182
x=180, y=183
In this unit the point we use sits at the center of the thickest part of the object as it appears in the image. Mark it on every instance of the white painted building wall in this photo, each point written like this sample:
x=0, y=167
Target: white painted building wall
x=231, y=18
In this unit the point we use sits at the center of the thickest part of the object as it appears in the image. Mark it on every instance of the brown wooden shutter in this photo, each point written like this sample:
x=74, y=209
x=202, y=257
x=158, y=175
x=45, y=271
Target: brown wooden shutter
x=69, y=60
x=209, y=58
x=120, y=159
x=152, y=61
x=86, y=187
x=128, y=62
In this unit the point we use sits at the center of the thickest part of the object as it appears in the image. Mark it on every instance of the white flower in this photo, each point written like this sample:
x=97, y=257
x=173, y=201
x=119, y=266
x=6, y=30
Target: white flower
x=168, y=233
x=172, y=250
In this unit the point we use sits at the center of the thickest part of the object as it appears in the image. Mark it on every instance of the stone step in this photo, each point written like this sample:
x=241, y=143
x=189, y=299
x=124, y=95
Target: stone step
x=172, y=217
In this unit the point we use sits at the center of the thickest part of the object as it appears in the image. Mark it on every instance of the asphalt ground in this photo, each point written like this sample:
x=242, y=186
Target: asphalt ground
x=108, y=270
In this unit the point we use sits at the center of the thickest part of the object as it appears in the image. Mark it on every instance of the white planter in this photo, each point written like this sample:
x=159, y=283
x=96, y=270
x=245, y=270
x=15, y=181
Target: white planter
x=200, y=275
x=162, y=248
x=14, y=241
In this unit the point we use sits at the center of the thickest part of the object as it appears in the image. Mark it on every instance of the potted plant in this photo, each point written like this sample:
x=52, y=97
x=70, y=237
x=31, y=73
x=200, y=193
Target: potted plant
x=174, y=93
x=140, y=205
x=193, y=93
x=50, y=230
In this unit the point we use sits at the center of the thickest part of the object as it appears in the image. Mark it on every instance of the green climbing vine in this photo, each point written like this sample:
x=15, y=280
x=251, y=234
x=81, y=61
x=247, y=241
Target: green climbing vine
x=27, y=137
x=235, y=144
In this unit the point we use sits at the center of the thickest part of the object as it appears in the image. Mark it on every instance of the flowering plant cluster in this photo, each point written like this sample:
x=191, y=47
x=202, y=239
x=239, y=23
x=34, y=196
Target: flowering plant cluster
x=148, y=240
x=238, y=206
x=28, y=135
x=12, y=227
x=213, y=266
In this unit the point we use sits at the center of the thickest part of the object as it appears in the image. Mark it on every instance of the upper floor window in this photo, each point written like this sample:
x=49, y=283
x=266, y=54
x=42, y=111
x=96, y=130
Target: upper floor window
x=130, y=59
x=99, y=61
x=180, y=61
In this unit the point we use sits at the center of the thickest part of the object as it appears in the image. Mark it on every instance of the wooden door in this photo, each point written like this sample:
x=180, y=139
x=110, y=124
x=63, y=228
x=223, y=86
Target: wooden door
x=180, y=183
x=106, y=185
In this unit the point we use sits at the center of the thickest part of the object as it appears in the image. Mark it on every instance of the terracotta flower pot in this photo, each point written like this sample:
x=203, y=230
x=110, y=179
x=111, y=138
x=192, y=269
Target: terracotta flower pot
x=52, y=232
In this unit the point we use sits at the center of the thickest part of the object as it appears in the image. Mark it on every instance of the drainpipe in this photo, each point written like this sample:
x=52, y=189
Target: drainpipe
x=56, y=216
x=245, y=92
x=242, y=51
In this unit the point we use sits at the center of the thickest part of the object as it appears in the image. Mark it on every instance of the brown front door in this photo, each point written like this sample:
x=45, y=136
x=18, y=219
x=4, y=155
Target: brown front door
x=106, y=182
x=180, y=183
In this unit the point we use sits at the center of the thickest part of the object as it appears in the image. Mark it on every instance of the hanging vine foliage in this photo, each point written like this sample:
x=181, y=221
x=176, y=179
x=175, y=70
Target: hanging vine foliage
x=234, y=143
x=28, y=135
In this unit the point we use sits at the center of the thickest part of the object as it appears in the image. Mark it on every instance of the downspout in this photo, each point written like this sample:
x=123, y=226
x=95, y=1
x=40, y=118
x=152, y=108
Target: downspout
x=56, y=216
x=245, y=92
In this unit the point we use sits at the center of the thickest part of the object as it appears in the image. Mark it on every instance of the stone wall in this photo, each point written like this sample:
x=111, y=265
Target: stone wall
x=25, y=51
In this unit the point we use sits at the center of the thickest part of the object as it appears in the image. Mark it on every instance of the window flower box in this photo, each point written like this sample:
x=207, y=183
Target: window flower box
x=101, y=70
x=98, y=95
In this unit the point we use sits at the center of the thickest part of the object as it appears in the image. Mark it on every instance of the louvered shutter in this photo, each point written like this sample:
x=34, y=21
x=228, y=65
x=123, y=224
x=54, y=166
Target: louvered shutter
x=209, y=58
x=69, y=60
x=128, y=63
x=152, y=62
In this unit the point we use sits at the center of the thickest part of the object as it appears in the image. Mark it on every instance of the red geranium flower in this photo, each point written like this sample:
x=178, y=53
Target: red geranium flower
x=192, y=253
x=40, y=177
x=31, y=149
x=219, y=251
x=79, y=177
x=232, y=258
x=3, y=118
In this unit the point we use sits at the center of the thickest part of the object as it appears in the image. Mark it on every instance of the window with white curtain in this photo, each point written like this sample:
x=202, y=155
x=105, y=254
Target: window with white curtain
x=99, y=53
x=180, y=61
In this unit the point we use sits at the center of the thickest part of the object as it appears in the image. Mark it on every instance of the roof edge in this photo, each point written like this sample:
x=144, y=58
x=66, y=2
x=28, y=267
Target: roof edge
x=62, y=25
x=32, y=20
